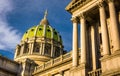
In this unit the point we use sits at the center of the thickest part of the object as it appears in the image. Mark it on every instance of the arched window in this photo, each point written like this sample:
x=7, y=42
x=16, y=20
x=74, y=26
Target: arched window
x=47, y=49
x=57, y=51
x=26, y=48
x=36, y=48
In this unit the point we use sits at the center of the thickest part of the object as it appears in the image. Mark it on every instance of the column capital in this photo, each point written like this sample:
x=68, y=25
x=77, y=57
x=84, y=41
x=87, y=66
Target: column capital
x=82, y=15
x=18, y=46
x=101, y=4
x=74, y=19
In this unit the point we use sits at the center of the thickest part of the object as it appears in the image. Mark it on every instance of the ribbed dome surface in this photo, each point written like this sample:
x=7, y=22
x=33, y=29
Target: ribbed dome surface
x=42, y=31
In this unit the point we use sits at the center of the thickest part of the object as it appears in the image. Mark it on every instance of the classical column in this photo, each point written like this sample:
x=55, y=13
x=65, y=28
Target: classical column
x=43, y=51
x=52, y=49
x=32, y=47
x=17, y=51
x=75, y=42
x=114, y=26
x=94, y=62
x=29, y=48
x=22, y=48
x=41, y=48
x=104, y=30
x=83, y=38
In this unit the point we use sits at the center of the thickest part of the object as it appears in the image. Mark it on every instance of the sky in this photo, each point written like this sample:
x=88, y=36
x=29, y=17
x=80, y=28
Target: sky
x=17, y=16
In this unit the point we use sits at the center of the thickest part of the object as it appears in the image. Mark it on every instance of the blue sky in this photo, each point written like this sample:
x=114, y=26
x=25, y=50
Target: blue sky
x=16, y=16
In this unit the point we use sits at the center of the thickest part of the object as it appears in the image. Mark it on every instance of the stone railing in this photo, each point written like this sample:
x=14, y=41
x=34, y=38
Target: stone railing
x=95, y=72
x=54, y=62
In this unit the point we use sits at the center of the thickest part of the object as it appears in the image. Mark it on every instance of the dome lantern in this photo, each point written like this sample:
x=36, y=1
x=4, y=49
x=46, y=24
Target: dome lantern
x=44, y=21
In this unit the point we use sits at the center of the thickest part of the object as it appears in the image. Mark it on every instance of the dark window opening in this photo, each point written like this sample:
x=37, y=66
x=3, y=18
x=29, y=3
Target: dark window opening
x=57, y=51
x=32, y=29
x=55, y=33
x=26, y=48
x=40, y=29
x=48, y=30
x=36, y=49
x=48, y=49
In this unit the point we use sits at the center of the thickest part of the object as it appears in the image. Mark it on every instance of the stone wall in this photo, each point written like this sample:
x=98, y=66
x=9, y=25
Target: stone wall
x=8, y=67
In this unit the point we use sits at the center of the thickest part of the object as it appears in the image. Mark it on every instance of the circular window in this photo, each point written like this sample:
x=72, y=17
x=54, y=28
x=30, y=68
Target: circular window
x=32, y=29
x=40, y=29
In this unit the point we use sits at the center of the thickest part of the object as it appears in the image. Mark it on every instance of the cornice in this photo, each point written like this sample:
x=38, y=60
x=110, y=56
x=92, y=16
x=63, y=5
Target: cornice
x=75, y=5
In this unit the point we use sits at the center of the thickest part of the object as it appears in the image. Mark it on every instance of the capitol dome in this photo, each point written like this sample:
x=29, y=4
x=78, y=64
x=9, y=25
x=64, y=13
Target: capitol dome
x=41, y=31
x=40, y=43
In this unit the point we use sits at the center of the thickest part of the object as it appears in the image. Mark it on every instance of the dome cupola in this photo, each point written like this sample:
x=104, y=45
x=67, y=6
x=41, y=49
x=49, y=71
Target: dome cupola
x=40, y=43
x=44, y=21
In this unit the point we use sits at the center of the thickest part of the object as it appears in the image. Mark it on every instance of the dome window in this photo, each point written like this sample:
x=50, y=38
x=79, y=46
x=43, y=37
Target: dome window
x=57, y=51
x=37, y=48
x=60, y=36
x=48, y=30
x=32, y=29
x=55, y=33
x=48, y=49
x=40, y=29
x=26, y=48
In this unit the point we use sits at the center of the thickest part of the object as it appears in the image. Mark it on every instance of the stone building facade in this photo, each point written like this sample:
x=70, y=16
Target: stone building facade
x=41, y=52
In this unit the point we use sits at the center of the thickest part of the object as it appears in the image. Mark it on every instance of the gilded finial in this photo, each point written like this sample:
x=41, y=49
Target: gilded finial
x=45, y=15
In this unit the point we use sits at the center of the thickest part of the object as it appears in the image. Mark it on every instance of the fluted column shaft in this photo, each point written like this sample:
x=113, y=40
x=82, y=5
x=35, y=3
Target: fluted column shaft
x=75, y=42
x=104, y=30
x=114, y=25
x=83, y=39
x=94, y=62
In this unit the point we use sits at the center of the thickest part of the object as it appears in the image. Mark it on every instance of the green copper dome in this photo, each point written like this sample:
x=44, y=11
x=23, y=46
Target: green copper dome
x=43, y=30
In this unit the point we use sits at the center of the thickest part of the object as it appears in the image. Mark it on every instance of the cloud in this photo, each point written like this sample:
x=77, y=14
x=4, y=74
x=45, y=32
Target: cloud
x=9, y=36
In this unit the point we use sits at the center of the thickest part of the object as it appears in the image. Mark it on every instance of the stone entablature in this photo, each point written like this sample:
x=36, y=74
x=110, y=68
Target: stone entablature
x=75, y=4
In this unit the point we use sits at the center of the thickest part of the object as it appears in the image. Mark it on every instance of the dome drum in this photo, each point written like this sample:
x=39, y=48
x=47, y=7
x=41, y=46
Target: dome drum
x=42, y=49
x=36, y=57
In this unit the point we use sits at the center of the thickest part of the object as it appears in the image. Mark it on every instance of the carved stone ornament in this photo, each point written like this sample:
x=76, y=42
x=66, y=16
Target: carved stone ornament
x=100, y=4
x=82, y=15
x=74, y=20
